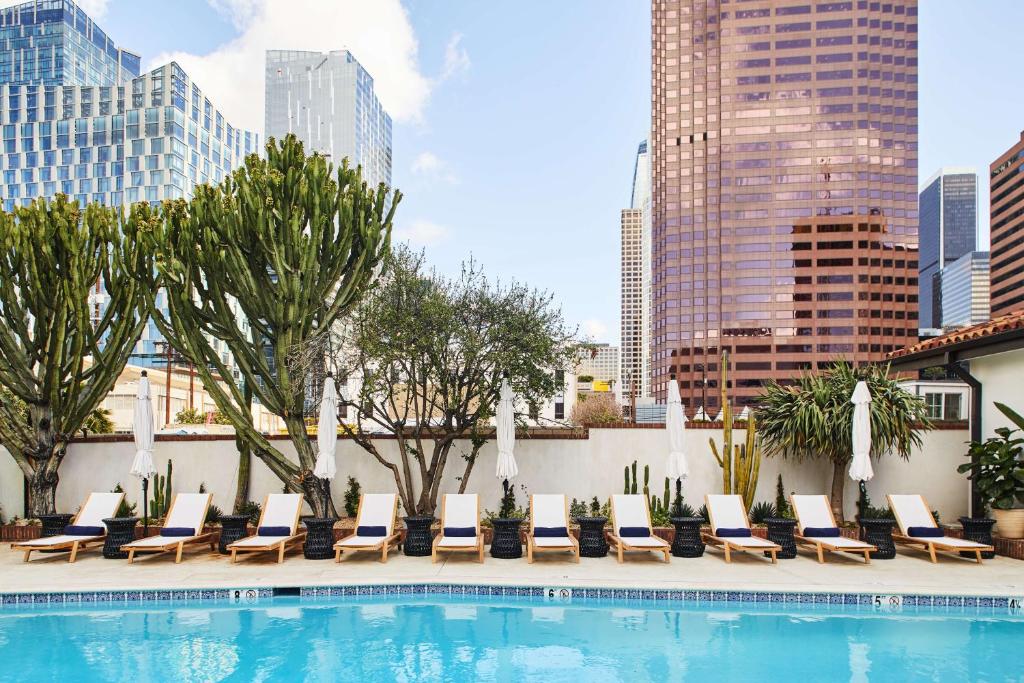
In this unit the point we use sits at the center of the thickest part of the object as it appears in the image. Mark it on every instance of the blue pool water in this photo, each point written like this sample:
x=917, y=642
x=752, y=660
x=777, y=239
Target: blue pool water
x=430, y=638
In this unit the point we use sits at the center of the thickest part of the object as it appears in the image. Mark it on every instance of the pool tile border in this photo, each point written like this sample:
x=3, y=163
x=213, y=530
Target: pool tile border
x=992, y=605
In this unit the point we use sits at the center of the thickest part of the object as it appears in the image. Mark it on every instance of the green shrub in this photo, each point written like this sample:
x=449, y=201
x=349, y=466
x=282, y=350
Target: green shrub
x=253, y=509
x=761, y=511
x=352, y=493
x=577, y=508
x=124, y=509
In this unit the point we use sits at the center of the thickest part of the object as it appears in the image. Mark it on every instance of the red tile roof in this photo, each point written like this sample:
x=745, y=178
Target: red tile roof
x=1005, y=323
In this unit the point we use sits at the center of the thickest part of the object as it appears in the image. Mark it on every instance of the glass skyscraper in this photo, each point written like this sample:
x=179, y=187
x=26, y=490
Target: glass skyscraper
x=79, y=119
x=949, y=226
x=327, y=101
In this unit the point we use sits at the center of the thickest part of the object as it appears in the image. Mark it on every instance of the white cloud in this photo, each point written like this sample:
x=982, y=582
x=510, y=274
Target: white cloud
x=594, y=329
x=378, y=33
x=422, y=233
x=96, y=9
x=456, y=59
x=431, y=167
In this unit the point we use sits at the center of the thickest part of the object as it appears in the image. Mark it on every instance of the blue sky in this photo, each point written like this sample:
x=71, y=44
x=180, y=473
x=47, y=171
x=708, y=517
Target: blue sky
x=517, y=123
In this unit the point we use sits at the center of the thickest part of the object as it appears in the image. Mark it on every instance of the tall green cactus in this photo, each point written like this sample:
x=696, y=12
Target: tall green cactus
x=740, y=463
x=161, y=503
x=54, y=255
x=296, y=243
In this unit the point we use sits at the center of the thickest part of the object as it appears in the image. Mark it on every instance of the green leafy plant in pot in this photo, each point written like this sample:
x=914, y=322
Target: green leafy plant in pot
x=997, y=470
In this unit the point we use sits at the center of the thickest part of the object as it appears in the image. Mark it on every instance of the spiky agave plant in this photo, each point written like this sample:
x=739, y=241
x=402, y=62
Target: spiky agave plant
x=813, y=418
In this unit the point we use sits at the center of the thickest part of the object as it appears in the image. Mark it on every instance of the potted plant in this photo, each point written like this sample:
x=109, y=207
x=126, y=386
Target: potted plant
x=997, y=470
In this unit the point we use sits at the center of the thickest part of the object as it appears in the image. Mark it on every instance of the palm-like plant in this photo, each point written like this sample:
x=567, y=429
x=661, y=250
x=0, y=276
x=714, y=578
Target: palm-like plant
x=813, y=418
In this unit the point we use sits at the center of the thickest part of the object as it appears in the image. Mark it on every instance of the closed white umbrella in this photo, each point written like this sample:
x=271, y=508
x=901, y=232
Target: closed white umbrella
x=506, y=427
x=143, y=430
x=860, y=468
x=327, y=432
x=675, y=425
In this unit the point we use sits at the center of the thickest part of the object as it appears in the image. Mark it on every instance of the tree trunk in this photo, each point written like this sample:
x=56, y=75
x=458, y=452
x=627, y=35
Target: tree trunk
x=318, y=495
x=838, y=484
x=42, y=494
x=244, y=468
x=44, y=461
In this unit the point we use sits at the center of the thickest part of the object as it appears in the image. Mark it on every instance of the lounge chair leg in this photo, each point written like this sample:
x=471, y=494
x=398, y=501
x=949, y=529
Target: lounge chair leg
x=74, y=552
x=667, y=558
x=131, y=556
x=978, y=553
x=177, y=558
x=481, y=555
x=433, y=556
x=234, y=556
x=529, y=553
x=728, y=559
x=337, y=554
x=821, y=555
x=775, y=559
x=280, y=554
x=384, y=553
x=620, y=553
x=577, y=555
x=867, y=557
x=931, y=552
x=27, y=553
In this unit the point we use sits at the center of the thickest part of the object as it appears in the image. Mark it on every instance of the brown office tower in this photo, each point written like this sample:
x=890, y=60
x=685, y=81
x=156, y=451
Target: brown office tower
x=784, y=142
x=1006, y=201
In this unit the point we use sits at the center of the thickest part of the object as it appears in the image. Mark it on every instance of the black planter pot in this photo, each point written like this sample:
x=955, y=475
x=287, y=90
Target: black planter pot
x=419, y=537
x=780, y=532
x=687, y=541
x=592, y=540
x=979, y=530
x=506, y=544
x=53, y=525
x=120, y=531
x=319, y=544
x=878, y=532
x=232, y=528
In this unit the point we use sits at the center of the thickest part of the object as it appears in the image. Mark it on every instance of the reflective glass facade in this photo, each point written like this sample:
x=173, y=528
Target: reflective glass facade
x=965, y=291
x=784, y=189
x=327, y=101
x=948, y=230
x=635, y=283
x=1006, y=202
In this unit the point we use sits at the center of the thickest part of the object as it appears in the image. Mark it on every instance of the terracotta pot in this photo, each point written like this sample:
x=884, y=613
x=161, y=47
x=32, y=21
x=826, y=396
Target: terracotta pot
x=1009, y=523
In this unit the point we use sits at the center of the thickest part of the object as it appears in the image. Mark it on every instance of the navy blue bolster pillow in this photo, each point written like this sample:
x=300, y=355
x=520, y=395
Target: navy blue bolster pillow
x=274, y=531
x=821, y=531
x=550, y=532
x=926, y=532
x=371, y=531
x=726, y=532
x=634, y=532
x=175, y=531
x=72, y=530
x=460, y=531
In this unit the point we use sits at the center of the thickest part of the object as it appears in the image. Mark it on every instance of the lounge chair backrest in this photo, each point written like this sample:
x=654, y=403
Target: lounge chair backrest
x=548, y=511
x=813, y=511
x=630, y=510
x=726, y=512
x=97, y=507
x=282, y=509
x=911, y=510
x=378, y=509
x=188, y=510
x=461, y=510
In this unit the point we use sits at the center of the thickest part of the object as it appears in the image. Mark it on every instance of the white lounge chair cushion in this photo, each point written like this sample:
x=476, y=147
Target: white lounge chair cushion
x=644, y=541
x=839, y=542
x=549, y=511
x=461, y=511
x=361, y=541
x=910, y=510
x=282, y=510
x=378, y=509
x=187, y=512
x=726, y=512
x=458, y=542
x=813, y=511
x=98, y=506
x=258, y=541
x=552, y=542
x=630, y=511
x=749, y=542
x=951, y=541
x=56, y=540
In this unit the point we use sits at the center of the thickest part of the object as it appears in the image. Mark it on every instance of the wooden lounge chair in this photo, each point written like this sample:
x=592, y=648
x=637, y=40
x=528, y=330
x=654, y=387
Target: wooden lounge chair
x=375, y=526
x=86, y=529
x=277, y=530
x=631, y=526
x=817, y=527
x=549, y=526
x=918, y=529
x=183, y=526
x=460, y=526
x=730, y=528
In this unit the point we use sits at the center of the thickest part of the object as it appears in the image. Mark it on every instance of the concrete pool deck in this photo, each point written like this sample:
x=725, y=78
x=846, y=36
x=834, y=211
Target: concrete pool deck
x=910, y=573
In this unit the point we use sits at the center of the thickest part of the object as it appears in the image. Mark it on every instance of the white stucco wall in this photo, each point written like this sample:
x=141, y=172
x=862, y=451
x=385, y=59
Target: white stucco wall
x=12, y=487
x=1001, y=377
x=580, y=468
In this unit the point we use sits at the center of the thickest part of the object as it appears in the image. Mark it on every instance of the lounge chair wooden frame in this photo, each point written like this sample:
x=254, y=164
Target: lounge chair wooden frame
x=822, y=544
x=931, y=545
x=531, y=547
x=621, y=545
x=478, y=548
x=280, y=545
x=729, y=545
x=176, y=546
x=85, y=543
x=383, y=546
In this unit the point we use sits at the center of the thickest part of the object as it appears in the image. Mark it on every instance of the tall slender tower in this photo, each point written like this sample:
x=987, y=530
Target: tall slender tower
x=634, y=366
x=784, y=189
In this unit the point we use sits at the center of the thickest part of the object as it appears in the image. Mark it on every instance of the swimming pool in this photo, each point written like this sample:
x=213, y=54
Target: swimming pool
x=477, y=638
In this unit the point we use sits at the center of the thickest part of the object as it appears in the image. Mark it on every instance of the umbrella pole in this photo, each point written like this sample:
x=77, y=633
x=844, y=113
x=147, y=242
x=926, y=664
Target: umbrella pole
x=862, y=503
x=145, y=506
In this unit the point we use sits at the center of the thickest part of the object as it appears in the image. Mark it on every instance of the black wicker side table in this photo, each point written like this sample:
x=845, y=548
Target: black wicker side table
x=319, y=543
x=232, y=528
x=506, y=544
x=878, y=532
x=120, y=531
x=780, y=532
x=419, y=538
x=53, y=525
x=592, y=540
x=687, y=542
x=979, y=530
